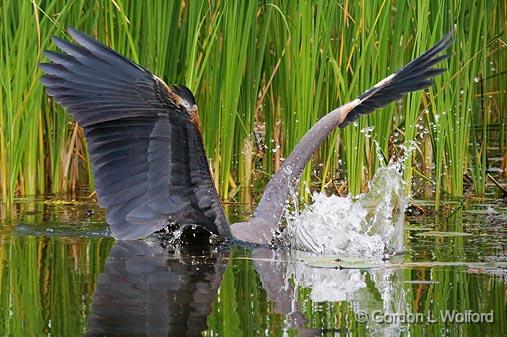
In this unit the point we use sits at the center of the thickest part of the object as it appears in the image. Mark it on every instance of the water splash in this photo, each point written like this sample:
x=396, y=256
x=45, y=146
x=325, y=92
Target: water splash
x=368, y=226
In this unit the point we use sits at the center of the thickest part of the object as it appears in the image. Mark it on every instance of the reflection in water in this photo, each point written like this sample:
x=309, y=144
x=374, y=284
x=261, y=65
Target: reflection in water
x=62, y=279
x=361, y=290
x=148, y=290
x=145, y=292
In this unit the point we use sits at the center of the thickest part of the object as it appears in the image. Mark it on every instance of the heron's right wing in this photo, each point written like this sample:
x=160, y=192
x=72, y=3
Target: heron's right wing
x=414, y=76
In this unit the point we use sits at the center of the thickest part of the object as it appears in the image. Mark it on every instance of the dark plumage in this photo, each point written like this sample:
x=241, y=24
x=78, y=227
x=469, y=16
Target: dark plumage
x=145, y=144
x=142, y=137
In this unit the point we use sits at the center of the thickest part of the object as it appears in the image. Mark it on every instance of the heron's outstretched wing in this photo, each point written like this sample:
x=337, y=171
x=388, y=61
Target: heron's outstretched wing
x=143, y=137
x=414, y=76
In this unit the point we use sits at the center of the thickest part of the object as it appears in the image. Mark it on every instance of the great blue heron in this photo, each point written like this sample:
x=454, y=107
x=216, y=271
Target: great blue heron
x=145, y=143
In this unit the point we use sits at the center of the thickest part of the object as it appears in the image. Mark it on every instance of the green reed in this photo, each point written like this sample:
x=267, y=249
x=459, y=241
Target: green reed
x=263, y=73
x=53, y=295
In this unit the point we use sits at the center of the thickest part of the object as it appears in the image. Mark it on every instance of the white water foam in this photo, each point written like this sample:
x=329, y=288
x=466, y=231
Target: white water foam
x=369, y=226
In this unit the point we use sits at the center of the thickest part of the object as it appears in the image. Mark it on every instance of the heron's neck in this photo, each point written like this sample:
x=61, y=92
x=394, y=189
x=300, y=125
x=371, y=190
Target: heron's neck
x=273, y=203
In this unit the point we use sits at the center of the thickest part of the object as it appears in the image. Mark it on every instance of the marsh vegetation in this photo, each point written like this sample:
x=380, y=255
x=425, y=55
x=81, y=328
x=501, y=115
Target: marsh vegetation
x=263, y=73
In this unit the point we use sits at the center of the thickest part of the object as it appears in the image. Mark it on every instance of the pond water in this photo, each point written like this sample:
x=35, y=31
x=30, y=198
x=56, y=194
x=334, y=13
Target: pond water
x=62, y=275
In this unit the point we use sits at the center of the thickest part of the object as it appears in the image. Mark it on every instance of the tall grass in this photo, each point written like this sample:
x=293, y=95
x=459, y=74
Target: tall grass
x=263, y=73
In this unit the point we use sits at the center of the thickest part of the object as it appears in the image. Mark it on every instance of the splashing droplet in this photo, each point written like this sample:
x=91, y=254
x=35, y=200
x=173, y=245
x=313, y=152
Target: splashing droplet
x=368, y=226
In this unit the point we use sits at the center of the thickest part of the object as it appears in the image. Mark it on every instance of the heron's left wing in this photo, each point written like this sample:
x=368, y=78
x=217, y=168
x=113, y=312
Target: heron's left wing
x=143, y=138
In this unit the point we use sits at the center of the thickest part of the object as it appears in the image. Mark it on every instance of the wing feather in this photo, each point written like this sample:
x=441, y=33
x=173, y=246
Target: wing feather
x=414, y=76
x=138, y=139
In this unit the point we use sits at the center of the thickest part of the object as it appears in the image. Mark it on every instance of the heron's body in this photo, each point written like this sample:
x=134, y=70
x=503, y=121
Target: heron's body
x=146, y=148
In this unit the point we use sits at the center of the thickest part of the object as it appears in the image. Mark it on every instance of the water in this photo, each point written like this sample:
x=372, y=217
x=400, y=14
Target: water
x=62, y=275
x=369, y=226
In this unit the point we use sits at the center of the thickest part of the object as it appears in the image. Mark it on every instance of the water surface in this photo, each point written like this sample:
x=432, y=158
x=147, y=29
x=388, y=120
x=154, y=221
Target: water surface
x=62, y=275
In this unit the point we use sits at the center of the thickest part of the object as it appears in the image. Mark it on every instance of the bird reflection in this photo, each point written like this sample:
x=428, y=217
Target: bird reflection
x=147, y=289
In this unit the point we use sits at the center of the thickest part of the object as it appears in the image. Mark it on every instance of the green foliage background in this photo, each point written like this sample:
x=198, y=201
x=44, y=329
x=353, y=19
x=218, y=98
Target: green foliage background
x=263, y=72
